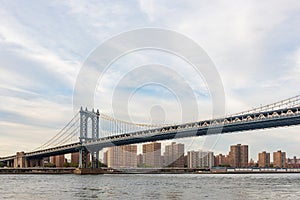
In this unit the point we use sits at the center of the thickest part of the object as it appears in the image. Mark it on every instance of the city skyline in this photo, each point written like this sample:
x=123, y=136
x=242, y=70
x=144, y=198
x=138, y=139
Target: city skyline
x=233, y=152
x=39, y=66
x=126, y=156
x=255, y=157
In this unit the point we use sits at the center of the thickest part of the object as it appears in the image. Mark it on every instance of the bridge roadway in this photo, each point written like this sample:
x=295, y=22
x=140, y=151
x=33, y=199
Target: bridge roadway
x=238, y=123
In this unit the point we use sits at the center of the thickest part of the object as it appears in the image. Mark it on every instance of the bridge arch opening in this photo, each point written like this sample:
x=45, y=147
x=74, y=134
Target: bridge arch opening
x=89, y=131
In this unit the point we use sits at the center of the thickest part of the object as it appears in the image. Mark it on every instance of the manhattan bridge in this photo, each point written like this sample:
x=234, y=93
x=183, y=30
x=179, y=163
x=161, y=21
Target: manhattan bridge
x=89, y=131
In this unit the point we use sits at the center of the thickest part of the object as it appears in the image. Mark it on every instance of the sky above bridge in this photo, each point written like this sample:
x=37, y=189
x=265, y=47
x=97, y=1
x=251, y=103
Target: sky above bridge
x=254, y=45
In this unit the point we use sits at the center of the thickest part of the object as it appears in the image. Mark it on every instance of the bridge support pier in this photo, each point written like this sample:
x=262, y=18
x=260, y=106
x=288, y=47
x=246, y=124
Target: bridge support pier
x=95, y=160
x=20, y=160
x=10, y=163
x=83, y=158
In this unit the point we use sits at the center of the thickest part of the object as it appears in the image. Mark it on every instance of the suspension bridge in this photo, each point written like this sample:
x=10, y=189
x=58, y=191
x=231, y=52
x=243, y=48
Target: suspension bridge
x=89, y=131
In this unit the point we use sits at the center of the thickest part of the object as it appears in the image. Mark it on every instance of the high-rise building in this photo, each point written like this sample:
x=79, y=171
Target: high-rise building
x=206, y=159
x=114, y=157
x=129, y=155
x=293, y=162
x=105, y=157
x=221, y=160
x=185, y=161
x=75, y=157
x=200, y=159
x=174, y=155
x=58, y=160
x=264, y=159
x=162, y=161
x=122, y=156
x=193, y=159
x=251, y=163
x=238, y=156
x=152, y=154
x=139, y=159
x=279, y=159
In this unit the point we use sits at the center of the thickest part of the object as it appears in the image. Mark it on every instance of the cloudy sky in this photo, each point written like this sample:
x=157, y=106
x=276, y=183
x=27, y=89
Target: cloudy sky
x=254, y=45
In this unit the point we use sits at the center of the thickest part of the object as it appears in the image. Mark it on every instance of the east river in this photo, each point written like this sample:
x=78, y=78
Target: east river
x=148, y=186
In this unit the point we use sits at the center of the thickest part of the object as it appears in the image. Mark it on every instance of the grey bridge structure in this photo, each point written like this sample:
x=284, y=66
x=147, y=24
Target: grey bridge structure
x=90, y=131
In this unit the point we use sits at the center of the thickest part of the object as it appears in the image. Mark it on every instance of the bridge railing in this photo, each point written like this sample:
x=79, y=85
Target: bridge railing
x=239, y=119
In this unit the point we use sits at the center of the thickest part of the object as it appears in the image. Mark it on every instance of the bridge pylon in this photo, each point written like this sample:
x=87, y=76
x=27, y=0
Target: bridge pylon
x=85, y=116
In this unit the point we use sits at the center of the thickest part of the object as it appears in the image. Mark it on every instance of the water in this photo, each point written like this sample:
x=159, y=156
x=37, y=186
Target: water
x=158, y=186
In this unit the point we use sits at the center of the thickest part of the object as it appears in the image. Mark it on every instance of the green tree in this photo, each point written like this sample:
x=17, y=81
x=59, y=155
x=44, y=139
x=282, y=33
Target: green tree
x=102, y=164
x=2, y=164
x=72, y=164
x=223, y=165
x=49, y=165
x=66, y=164
x=143, y=165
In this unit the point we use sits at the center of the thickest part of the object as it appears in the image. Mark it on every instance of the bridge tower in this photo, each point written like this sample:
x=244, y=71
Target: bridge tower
x=85, y=115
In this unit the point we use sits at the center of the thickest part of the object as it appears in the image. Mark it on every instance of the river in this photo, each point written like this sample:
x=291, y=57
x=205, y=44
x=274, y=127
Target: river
x=148, y=186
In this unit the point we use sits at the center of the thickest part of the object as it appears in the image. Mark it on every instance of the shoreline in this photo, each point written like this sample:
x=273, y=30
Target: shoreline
x=90, y=171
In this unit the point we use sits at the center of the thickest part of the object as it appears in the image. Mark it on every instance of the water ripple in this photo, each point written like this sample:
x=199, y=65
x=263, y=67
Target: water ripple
x=157, y=186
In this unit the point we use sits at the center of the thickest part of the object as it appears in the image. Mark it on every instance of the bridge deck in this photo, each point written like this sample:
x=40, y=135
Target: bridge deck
x=260, y=120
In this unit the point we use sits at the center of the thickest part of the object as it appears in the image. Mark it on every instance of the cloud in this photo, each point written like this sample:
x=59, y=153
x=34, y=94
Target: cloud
x=240, y=37
x=254, y=47
x=153, y=78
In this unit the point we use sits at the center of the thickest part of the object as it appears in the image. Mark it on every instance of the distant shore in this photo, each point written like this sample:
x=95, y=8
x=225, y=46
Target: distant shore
x=144, y=171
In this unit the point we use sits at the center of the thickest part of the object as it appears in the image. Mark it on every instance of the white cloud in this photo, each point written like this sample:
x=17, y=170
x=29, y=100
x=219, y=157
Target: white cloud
x=235, y=34
x=254, y=46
